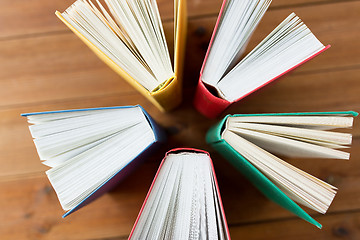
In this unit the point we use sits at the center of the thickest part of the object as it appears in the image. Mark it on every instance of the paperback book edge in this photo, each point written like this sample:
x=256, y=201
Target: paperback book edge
x=262, y=183
x=169, y=95
x=126, y=170
x=212, y=106
x=157, y=173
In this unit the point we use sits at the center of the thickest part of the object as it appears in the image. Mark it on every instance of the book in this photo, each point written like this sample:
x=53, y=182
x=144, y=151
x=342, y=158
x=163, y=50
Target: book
x=183, y=201
x=226, y=78
x=246, y=141
x=90, y=150
x=129, y=37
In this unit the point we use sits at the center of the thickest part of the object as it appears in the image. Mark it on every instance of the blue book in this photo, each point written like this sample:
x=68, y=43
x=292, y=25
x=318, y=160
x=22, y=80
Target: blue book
x=90, y=150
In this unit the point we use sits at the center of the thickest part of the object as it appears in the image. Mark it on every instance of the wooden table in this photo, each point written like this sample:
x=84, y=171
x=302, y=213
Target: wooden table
x=44, y=66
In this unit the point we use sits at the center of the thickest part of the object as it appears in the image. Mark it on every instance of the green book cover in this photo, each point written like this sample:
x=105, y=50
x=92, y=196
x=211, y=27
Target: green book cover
x=213, y=137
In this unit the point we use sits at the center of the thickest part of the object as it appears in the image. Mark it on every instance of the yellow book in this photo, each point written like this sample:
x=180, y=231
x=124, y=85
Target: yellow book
x=128, y=36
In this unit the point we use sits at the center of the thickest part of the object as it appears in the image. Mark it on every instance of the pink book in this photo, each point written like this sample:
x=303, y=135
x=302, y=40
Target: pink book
x=183, y=200
x=210, y=100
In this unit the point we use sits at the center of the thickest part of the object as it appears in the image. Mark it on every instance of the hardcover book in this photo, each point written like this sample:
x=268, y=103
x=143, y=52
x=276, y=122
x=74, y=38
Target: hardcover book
x=246, y=141
x=90, y=150
x=129, y=37
x=183, y=201
x=226, y=78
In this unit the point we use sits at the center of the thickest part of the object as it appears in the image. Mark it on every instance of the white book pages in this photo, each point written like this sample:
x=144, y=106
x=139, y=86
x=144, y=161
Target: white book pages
x=296, y=184
x=238, y=22
x=289, y=136
x=130, y=34
x=88, y=148
x=61, y=158
x=253, y=136
x=44, y=118
x=302, y=121
x=310, y=135
x=92, y=118
x=290, y=147
x=290, y=140
x=221, y=224
x=57, y=141
x=288, y=45
x=183, y=201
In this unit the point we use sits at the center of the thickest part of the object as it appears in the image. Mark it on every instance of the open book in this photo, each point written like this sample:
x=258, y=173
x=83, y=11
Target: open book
x=226, y=78
x=246, y=140
x=90, y=150
x=129, y=37
x=183, y=201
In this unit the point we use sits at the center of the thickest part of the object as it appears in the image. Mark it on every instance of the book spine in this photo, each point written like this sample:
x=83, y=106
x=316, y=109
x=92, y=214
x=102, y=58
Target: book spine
x=259, y=180
x=170, y=95
x=208, y=104
x=204, y=101
x=159, y=132
x=157, y=173
x=213, y=135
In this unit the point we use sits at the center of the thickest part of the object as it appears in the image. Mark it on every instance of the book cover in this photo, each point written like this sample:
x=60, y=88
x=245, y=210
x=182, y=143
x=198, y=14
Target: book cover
x=169, y=95
x=257, y=178
x=207, y=101
x=180, y=151
x=159, y=138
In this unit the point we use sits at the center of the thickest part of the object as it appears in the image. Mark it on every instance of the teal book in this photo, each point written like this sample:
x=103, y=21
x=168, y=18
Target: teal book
x=253, y=142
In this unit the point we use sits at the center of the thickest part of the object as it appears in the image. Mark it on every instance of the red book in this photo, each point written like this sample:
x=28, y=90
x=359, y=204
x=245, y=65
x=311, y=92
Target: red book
x=211, y=100
x=183, y=200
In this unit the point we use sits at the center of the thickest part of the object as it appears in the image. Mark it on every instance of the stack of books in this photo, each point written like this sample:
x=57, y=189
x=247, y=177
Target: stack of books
x=90, y=150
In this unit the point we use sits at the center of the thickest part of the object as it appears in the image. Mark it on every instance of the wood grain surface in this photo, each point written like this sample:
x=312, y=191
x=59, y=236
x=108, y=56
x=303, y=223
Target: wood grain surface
x=43, y=66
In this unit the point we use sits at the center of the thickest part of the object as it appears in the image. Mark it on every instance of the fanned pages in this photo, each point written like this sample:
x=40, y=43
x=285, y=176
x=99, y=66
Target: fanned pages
x=184, y=201
x=226, y=78
x=89, y=150
x=250, y=137
x=129, y=37
x=238, y=22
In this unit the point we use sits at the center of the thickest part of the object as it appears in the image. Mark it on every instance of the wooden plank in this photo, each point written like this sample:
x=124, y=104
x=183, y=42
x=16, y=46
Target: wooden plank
x=18, y=18
x=343, y=225
x=54, y=67
x=32, y=210
x=335, y=226
x=50, y=68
